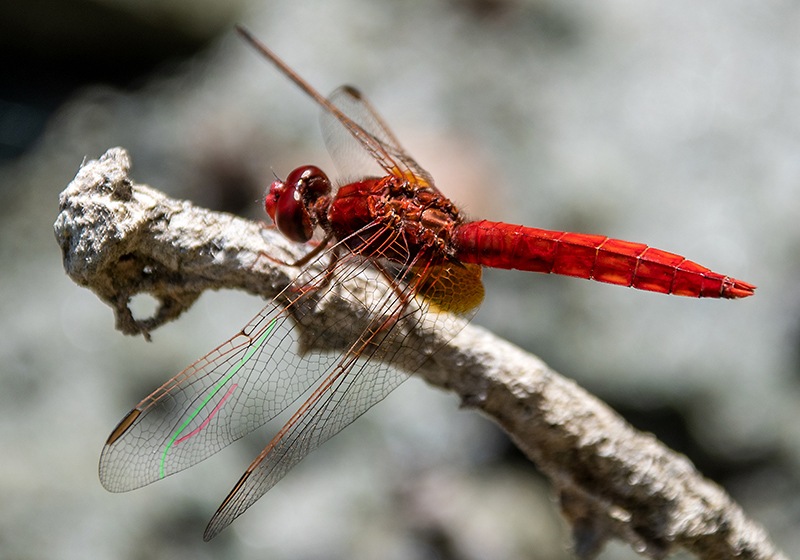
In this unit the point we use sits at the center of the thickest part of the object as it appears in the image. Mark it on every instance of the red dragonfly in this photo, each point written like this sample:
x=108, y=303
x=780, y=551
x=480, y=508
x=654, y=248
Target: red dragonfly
x=416, y=262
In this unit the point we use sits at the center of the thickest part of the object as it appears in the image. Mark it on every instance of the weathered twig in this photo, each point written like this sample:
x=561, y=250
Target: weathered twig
x=121, y=239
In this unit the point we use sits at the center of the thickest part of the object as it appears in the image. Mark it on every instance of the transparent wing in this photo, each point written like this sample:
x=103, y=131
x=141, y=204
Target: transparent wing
x=231, y=391
x=363, y=376
x=349, y=116
x=369, y=149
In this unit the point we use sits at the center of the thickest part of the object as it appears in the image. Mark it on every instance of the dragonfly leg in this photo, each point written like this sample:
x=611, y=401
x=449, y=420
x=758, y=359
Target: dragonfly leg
x=319, y=247
x=327, y=276
x=390, y=278
x=404, y=297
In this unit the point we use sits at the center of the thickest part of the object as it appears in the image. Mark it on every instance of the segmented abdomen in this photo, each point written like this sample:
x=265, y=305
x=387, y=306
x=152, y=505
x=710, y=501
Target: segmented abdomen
x=594, y=257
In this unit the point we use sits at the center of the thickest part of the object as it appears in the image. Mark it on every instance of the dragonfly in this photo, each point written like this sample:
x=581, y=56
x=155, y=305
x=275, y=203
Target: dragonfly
x=389, y=242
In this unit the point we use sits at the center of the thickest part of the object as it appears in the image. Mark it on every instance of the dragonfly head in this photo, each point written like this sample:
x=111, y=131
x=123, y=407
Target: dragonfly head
x=295, y=203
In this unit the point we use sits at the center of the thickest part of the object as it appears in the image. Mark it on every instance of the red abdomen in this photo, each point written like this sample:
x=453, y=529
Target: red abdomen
x=594, y=257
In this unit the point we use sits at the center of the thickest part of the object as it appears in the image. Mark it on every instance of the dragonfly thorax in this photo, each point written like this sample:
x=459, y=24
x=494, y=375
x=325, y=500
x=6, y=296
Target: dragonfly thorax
x=391, y=218
x=426, y=217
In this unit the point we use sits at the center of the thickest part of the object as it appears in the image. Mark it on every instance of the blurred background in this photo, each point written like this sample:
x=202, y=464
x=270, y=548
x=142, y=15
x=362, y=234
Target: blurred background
x=675, y=124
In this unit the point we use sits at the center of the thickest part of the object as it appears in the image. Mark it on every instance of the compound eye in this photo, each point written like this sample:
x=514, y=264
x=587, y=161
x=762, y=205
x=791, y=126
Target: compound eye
x=292, y=217
x=310, y=181
x=288, y=202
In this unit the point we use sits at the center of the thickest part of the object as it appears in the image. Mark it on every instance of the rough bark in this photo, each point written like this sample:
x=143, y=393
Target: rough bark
x=120, y=239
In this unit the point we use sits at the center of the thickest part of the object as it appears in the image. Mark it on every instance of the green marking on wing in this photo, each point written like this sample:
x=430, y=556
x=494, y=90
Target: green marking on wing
x=214, y=390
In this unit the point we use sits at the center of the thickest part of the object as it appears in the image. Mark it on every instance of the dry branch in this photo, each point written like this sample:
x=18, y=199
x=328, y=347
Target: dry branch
x=120, y=239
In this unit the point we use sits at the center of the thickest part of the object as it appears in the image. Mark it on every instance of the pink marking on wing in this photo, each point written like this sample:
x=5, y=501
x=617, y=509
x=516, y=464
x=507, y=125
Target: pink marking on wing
x=210, y=416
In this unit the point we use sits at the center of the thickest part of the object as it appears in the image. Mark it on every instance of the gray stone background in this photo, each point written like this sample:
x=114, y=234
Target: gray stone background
x=676, y=124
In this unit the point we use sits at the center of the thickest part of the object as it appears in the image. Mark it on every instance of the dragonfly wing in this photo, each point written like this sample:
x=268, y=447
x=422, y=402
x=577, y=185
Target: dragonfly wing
x=230, y=392
x=364, y=375
x=210, y=404
x=362, y=378
x=346, y=395
x=369, y=148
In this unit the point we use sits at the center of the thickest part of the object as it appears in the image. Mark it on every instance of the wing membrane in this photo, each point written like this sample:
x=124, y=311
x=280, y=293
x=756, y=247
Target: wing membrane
x=231, y=391
x=370, y=149
x=365, y=375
